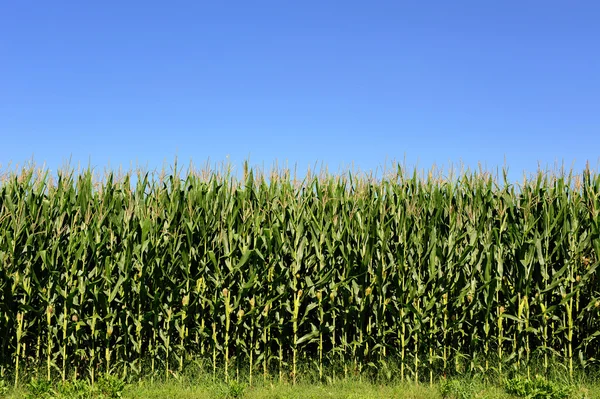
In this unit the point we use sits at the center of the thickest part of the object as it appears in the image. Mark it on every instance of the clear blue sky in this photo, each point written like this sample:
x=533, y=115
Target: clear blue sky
x=337, y=82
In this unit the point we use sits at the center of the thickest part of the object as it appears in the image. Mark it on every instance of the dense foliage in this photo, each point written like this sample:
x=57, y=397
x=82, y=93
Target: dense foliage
x=264, y=272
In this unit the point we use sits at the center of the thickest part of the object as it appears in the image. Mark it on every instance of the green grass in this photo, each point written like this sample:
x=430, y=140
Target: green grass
x=346, y=390
x=201, y=386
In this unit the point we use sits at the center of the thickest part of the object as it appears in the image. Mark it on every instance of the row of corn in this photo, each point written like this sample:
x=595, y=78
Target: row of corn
x=141, y=273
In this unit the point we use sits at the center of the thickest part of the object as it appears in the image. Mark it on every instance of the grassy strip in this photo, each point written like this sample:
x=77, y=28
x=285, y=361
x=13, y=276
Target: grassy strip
x=203, y=387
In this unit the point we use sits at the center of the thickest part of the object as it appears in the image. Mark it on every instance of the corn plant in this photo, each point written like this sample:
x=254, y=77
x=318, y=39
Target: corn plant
x=142, y=273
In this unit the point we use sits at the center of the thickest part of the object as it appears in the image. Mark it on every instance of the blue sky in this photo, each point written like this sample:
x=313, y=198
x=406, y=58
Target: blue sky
x=336, y=82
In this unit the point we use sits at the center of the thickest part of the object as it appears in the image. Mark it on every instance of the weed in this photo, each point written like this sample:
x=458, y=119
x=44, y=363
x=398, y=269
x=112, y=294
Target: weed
x=457, y=389
x=537, y=388
x=110, y=386
x=40, y=389
x=75, y=389
x=3, y=387
x=232, y=390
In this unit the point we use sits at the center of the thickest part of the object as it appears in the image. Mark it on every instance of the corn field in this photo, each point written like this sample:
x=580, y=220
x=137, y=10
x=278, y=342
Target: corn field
x=140, y=274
